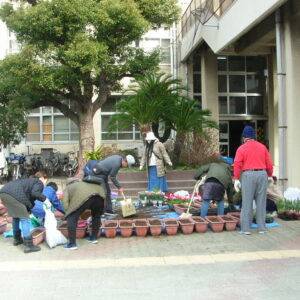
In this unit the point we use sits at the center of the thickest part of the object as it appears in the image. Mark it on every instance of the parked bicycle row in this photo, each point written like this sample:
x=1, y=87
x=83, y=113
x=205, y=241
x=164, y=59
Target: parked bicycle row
x=53, y=163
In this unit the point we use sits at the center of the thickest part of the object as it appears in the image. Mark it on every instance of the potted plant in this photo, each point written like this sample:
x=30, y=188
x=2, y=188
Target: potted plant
x=171, y=225
x=126, y=227
x=200, y=224
x=230, y=222
x=141, y=227
x=110, y=228
x=155, y=226
x=215, y=223
x=186, y=225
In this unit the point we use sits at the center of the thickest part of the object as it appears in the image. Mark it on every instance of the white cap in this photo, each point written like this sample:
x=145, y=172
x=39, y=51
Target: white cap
x=130, y=160
x=150, y=136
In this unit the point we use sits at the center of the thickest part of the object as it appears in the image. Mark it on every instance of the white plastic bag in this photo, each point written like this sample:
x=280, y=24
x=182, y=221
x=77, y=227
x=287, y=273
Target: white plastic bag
x=53, y=236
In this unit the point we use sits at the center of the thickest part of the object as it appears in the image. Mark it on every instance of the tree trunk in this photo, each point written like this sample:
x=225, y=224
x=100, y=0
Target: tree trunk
x=86, y=135
x=180, y=138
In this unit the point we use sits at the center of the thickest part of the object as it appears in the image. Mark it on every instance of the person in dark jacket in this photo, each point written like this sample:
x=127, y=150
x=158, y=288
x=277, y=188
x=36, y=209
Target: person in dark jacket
x=49, y=192
x=109, y=167
x=18, y=196
x=218, y=179
x=77, y=197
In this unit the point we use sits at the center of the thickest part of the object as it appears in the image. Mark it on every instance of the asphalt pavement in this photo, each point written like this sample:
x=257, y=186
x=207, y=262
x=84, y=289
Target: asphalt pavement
x=197, y=266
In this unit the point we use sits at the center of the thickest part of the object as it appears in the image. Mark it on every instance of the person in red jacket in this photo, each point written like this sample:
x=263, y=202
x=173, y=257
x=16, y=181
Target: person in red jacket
x=253, y=165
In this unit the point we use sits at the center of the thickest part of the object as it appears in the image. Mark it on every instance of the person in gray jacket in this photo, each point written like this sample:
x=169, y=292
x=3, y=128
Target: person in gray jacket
x=109, y=167
x=218, y=179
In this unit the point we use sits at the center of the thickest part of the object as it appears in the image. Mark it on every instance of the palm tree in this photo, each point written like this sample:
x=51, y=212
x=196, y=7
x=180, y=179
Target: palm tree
x=186, y=118
x=152, y=96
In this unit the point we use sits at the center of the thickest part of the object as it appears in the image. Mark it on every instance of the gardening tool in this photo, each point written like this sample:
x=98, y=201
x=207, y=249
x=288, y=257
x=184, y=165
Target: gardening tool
x=196, y=188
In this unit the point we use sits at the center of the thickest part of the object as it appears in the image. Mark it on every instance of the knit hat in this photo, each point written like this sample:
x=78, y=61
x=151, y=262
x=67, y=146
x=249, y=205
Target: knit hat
x=249, y=132
x=130, y=160
x=150, y=136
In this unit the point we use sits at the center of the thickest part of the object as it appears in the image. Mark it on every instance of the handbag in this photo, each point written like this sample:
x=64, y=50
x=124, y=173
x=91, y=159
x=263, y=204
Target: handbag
x=93, y=179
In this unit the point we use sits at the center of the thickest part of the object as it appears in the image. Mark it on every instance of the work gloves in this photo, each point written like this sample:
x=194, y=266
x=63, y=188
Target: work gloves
x=237, y=185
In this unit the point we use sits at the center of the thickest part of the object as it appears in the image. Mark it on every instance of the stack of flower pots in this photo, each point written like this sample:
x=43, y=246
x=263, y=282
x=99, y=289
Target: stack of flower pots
x=230, y=222
x=80, y=230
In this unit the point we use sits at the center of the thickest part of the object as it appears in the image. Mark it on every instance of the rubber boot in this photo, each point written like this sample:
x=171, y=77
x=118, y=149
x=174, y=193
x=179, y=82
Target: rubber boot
x=17, y=238
x=29, y=247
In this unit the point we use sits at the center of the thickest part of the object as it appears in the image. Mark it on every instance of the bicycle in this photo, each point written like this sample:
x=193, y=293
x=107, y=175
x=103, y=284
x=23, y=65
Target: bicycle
x=71, y=167
x=16, y=163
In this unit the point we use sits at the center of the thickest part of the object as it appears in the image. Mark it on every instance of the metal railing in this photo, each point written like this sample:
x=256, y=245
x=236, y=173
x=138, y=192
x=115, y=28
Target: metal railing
x=196, y=7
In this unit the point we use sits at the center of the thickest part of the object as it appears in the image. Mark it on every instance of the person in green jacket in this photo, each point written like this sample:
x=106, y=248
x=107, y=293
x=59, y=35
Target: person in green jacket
x=218, y=179
x=77, y=197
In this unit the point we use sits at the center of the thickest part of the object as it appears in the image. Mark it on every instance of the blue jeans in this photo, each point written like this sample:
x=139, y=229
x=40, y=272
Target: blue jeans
x=25, y=226
x=205, y=206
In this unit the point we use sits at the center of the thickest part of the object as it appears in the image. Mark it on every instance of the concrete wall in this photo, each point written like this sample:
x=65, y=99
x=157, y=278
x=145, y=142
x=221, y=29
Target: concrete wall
x=291, y=34
x=240, y=18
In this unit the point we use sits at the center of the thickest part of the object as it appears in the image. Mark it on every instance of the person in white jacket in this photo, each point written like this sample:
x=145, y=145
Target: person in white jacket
x=3, y=164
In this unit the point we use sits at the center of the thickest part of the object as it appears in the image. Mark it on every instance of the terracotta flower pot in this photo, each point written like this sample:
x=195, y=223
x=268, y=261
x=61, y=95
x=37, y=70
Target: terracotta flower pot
x=141, y=227
x=80, y=230
x=180, y=208
x=171, y=225
x=186, y=225
x=38, y=236
x=215, y=223
x=236, y=215
x=3, y=226
x=230, y=222
x=90, y=229
x=155, y=226
x=126, y=228
x=110, y=228
x=200, y=224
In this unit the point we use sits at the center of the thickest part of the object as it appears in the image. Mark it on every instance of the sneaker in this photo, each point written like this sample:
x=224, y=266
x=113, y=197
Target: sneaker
x=245, y=232
x=262, y=231
x=92, y=240
x=71, y=246
x=110, y=213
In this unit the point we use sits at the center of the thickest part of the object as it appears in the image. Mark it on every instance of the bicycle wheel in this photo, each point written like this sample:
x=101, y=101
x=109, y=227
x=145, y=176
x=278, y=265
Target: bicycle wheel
x=49, y=168
x=69, y=171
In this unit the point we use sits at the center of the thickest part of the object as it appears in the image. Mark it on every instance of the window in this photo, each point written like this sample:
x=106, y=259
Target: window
x=150, y=44
x=107, y=111
x=241, y=85
x=48, y=125
x=197, y=86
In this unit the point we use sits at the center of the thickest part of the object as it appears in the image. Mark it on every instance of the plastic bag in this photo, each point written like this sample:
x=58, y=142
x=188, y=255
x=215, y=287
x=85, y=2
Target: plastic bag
x=128, y=208
x=53, y=236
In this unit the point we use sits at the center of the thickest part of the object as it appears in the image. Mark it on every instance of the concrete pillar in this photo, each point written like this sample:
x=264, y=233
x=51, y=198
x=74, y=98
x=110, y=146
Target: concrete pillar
x=272, y=100
x=209, y=80
x=291, y=35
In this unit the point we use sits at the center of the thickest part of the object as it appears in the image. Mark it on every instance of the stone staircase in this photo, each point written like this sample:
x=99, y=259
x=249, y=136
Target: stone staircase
x=134, y=182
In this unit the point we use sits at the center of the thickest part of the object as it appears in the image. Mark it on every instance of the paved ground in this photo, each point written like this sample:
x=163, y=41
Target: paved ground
x=198, y=266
